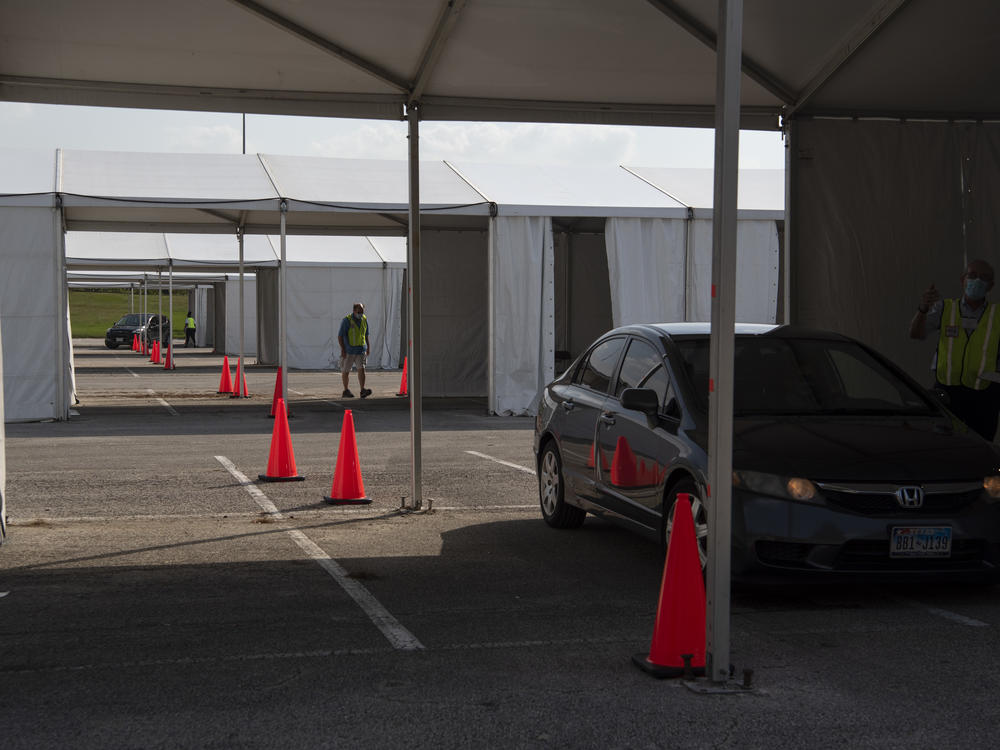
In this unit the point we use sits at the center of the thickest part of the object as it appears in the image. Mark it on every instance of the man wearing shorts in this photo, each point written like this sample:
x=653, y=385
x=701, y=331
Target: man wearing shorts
x=353, y=338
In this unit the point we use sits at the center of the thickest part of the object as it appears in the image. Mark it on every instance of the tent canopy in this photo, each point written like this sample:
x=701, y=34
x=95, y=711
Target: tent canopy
x=648, y=62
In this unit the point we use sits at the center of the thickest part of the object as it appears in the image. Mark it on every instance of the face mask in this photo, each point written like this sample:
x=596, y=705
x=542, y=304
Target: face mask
x=975, y=288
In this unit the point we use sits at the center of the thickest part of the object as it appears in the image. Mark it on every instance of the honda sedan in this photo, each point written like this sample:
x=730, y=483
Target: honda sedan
x=843, y=465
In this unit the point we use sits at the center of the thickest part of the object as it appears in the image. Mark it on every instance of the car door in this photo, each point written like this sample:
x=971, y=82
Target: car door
x=640, y=448
x=578, y=404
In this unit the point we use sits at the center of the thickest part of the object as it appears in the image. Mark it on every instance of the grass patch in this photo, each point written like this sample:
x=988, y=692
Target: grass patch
x=94, y=312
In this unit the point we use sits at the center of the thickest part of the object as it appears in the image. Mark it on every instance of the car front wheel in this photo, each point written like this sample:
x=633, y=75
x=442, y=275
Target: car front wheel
x=110, y=345
x=551, y=492
x=698, y=513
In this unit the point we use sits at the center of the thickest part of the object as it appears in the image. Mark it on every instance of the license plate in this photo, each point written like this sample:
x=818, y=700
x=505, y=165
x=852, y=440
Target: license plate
x=920, y=541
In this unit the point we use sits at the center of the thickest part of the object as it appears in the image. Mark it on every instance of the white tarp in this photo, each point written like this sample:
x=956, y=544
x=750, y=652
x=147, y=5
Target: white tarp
x=522, y=330
x=661, y=270
x=30, y=310
x=233, y=316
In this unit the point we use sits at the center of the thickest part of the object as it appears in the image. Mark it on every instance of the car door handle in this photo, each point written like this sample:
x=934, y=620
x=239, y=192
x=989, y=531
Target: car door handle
x=569, y=405
x=608, y=418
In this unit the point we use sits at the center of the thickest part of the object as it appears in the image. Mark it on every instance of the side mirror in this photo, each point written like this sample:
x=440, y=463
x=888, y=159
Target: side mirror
x=641, y=399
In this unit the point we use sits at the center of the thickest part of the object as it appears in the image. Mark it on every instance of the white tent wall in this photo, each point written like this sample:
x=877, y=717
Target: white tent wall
x=582, y=293
x=455, y=315
x=202, y=304
x=320, y=297
x=219, y=317
x=3, y=454
x=233, y=316
x=660, y=270
x=878, y=215
x=32, y=301
x=522, y=321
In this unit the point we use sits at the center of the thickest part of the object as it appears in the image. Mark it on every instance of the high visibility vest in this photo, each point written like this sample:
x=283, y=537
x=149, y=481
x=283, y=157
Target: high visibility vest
x=357, y=335
x=963, y=357
x=189, y=322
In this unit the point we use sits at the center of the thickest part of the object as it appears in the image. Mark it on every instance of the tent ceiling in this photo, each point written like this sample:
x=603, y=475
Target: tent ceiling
x=634, y=61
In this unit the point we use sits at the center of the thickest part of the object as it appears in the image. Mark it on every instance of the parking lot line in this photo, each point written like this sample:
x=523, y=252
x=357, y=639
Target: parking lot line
x=163, y=403
x=391, y=628
x=946, y=614
x=525, y=469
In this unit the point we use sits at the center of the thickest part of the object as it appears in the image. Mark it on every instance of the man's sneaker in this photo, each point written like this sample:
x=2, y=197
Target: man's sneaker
x=347, y=394
x=366, y=392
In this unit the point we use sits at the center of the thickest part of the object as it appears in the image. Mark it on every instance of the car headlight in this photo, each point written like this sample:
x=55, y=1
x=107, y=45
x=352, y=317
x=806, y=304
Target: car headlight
x=792, y=488
x=992, y=486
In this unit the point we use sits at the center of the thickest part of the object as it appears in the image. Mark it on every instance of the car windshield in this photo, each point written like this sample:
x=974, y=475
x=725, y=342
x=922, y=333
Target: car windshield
x=787, y=376
x=132, y=319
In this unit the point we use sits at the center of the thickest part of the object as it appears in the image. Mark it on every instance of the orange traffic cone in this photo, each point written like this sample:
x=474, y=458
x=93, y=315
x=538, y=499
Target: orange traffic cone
x=241, y=377
x=155, y=356
x=402, y=382
x=281, y=461
x=225, y=383
x=348, y=487
x=168, y=361
x=135, y=342
x=679, y=630
x=277, y=393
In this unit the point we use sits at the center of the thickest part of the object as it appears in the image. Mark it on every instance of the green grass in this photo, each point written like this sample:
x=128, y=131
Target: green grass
x=92, y=312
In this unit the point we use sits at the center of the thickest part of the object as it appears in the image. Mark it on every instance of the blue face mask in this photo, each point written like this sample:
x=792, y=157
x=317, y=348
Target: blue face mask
x=975, y=288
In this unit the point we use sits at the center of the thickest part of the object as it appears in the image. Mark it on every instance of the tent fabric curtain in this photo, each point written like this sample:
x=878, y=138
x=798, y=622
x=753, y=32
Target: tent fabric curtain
x=318, y=300
x=268, y=343
x=646, y=269
x=249, y=316
x=881, y=211
x=29, y=311
x=523, y=312
x=660, y=270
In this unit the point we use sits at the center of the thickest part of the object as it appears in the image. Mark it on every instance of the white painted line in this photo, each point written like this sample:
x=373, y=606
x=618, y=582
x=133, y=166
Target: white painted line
x=391, y=628
x=163, y=403
x=946, y=614
x=297, y=393
x=525, y=469
x=131, y=373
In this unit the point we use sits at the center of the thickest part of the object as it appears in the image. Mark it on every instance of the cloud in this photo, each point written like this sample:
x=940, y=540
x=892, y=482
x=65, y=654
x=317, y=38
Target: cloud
x=217, y=139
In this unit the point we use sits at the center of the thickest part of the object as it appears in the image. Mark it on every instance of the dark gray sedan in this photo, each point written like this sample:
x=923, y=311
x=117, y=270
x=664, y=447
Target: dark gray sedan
x=843, y=465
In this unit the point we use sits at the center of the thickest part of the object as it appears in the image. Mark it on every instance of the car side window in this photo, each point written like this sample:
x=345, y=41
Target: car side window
x=600, y=365
x=640, y=361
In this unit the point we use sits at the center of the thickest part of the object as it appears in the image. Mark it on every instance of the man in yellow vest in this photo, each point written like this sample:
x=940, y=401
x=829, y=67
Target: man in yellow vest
x=189, y=330
x=353, y=339
x=965, y=364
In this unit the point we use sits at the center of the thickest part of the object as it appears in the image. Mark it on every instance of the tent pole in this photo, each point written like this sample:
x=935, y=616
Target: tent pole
x=170, y=332
x=723, y=344
x=62, y=329
x=413, y=302
x=239, y=385
x=159, y=300
x=282, y=312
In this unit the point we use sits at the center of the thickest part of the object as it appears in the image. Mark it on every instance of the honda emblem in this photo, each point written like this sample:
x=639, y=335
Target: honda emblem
x=910, y=497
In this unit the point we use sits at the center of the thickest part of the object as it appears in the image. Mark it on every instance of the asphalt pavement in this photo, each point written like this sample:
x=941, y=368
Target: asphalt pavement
x=155, y=594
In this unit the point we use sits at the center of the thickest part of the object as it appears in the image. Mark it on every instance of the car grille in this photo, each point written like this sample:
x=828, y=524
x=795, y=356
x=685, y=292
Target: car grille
x=873, y=554
x=867, y=554
x=882, y=502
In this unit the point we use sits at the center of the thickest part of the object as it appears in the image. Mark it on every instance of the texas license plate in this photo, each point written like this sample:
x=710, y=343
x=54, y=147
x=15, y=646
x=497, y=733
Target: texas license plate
x=920, y=541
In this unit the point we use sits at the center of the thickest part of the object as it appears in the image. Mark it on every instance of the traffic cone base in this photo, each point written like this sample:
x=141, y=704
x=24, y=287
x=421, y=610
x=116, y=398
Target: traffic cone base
x=348, y=487
x=678, y=646
x=281, y=461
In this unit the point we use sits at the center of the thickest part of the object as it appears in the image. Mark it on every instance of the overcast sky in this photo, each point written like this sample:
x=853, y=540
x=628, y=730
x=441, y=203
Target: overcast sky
x=43, y=126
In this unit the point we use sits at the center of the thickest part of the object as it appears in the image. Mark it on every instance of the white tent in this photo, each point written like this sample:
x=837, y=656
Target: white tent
x=567, y=253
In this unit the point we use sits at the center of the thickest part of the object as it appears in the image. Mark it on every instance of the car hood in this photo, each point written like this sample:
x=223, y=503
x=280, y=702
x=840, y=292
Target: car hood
x=863, y=449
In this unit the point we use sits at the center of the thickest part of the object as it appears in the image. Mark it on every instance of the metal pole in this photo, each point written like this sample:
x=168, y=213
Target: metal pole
x=786, y=275
x=159, y=302
x=63, y=352
x=170, y=332
x=282, y=317
x=722, y=346
x=131, y=297
x=413, y=304
x=239, y=385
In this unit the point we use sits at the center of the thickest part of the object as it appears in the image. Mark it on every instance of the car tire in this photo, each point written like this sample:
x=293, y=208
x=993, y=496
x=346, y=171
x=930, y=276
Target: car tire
x=551, y=492
x=698, y=512
x=110, y=346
